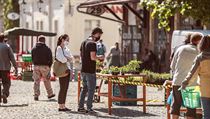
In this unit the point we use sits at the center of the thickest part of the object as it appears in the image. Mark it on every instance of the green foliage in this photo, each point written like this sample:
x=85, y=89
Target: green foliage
x=114, y=69
x=134, y=65
x=105, y=71
x=10, y=6
x=124, y=69
x=197, y=9
x=156, y=77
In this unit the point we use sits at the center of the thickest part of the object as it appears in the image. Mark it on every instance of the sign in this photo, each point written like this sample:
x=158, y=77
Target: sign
x=96, y=10
x=13, y=16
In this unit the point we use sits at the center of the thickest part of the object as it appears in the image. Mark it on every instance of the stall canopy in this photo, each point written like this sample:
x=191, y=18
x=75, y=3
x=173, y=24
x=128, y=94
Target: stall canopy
x=26, y=32
x=97, y=8
x=16, y=37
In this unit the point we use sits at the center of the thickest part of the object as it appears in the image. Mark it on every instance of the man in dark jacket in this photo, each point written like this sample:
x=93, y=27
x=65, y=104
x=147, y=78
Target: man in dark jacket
x=6, y=58
x=42, y=60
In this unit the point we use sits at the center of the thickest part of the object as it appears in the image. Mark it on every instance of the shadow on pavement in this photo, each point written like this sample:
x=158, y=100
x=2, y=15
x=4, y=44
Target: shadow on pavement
x=15, y=105
x=50, y=100
x=125, y=112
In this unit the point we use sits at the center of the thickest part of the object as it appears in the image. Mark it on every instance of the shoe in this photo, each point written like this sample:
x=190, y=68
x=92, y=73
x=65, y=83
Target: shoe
x=64, y=110
x=36, y=98
x=91, y=111
x=4, y=99
x=53, y=95
x=83, y=110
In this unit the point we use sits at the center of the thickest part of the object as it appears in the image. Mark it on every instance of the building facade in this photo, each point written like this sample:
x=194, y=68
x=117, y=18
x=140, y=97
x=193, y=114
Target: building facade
x=61, y=17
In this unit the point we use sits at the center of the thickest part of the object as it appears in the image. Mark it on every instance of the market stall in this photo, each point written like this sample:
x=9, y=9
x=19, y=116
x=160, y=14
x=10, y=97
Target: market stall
x=16, y=38
x=111, y=81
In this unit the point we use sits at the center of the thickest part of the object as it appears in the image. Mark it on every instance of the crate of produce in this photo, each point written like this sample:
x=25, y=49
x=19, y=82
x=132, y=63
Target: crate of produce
x=191, y=97
x=27, y=58
x=27, y=76
x=130, y=91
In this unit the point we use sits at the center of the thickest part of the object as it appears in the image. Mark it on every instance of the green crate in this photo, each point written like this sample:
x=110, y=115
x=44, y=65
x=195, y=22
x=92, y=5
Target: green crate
x=191, y=97
x=27, y=76
x=27, y=58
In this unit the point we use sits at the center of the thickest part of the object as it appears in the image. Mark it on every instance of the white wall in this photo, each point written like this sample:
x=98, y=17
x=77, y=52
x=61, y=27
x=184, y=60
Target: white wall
x=72, y=24
x=75, y=27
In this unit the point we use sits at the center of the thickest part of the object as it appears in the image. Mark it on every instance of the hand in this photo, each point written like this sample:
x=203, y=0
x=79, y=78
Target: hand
x=184, y=84
x=16, y=72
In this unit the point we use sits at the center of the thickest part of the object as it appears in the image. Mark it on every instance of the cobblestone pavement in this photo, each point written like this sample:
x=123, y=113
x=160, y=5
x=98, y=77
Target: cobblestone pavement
x=22, y=106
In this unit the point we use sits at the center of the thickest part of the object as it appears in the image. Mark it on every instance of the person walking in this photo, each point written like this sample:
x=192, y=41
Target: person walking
x=114, y=56
x=88, y=56
x=201, y=68
x=6, y=59
x=62, y=54
x=180, y=66
x=42, y=60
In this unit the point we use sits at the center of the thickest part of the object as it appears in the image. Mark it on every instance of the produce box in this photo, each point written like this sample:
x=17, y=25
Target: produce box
x=27, y=76
x=130, y=91
x=27, y=58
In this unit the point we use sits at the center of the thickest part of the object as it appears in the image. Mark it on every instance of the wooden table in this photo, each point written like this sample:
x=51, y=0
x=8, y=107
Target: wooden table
x=122, y=96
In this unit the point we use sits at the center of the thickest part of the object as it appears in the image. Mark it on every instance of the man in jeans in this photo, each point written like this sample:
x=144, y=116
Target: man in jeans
x=6, y=58
x=89, y=57
x=180, y=66
x=42, y=60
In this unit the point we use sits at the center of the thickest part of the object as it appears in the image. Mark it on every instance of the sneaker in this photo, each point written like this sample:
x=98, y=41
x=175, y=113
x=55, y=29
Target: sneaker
x=83, y=110
x=53, y=95
x=90, y=111
x=36, y=98
x=64, y=110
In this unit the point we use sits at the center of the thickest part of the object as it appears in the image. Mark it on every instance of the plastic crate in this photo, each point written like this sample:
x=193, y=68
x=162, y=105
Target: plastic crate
x=27, y=58
x=130, y=91
x=191, y=97
x=27, y=76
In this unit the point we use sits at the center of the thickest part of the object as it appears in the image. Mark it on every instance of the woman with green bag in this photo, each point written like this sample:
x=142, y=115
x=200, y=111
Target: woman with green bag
x=201, y=68
x=62, y=70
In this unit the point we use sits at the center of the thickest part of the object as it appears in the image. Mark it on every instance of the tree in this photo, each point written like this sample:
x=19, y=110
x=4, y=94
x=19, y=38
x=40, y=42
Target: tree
x=10, y=6
x=164, y=9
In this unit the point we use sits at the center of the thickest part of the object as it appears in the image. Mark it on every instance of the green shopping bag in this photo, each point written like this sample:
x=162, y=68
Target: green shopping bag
x=191, y=97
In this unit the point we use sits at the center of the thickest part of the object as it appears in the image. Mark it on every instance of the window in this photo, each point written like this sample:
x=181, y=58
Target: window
x=41, y=25
x=89, y=25
x=37, y=25
x=56, y=26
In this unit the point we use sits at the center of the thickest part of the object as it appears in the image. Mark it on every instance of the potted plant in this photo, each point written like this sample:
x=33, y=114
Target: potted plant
x=134, y=66
x=114, y=70
x=104, y=71
x=99, y=66
x=124, y=70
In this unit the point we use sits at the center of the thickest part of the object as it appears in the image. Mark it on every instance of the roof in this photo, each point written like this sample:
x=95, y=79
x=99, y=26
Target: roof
x=103, y=2
x=26, y=32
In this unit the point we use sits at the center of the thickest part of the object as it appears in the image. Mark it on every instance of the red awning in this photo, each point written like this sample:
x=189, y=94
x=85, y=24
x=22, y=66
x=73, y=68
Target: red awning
x=105, y=2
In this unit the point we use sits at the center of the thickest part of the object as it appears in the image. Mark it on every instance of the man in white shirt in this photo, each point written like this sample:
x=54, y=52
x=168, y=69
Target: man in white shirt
x=180, y=66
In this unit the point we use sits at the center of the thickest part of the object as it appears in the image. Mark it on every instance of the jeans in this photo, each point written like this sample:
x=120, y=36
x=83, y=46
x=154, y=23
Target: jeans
x=5, y=76
x=206, y=107
x=64, y=85
x=89, y=85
